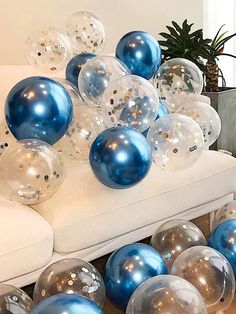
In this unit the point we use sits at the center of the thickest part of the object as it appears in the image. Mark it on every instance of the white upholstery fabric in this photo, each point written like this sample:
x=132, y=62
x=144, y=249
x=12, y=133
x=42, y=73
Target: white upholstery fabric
x=84, y=212
x=26, y=240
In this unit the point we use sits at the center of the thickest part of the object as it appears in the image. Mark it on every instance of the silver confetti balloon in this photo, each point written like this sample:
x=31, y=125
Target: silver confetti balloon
x=6, y=137
x=178, y=80
x=31, y=172
x=166, y=294
x=207, y=118
x=86, y=33
x=226, y=212
x=130, y=101
x=174, y=237
x=48, y=51
x=86, y=124
x=176, y=141
x=14, y=300
x=70, y=276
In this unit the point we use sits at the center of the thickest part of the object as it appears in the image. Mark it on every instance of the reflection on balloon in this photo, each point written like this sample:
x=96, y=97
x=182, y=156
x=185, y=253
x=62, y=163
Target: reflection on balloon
x=73, y=91
x=70, y=276
x=48, y=51
x=210, y=273
x=86, y=124
x=166, y=294
x=95, y=76
x=38, y=107
x=31, y=172
x=75, y=65
x=67, y=303
x=86, y=32
x=130, y=101
x=207, y=118
x=223, y=239
x=6, y=137
x=120, y=157
x=14, y=300
x=141, y=53
x=174, y=237
x=178, y=81
x=176, y=141
x=228, y=211
x=127, y=268
x=162, y=112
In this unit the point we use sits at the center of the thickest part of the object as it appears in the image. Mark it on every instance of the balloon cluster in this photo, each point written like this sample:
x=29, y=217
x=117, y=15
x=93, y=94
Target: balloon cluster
x=177, y=273
x=105, y=110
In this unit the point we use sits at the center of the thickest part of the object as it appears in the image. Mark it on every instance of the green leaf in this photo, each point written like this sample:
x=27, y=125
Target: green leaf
x=219, y=39
x=223, y=41
x=228, y=54
x=217, y=34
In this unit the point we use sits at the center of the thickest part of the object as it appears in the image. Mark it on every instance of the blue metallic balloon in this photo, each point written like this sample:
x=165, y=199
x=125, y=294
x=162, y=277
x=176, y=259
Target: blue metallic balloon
x=223, y=239
x=162, y=112
x=67, y=304
x=38, y=108
x=75, y=65
x=120, y=157
x=141, y=53
x=127, y=268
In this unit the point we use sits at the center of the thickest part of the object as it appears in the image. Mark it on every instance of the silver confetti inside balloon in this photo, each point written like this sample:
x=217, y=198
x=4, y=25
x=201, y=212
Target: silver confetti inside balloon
x=70, y=276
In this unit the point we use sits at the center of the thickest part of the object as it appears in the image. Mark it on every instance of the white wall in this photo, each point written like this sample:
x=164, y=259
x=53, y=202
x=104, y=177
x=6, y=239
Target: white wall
x=19, y=18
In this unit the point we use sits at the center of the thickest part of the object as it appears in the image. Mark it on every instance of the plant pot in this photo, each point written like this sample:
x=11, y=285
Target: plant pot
x=224, y=102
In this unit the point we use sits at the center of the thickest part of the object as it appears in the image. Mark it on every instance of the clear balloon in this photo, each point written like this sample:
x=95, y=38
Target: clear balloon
x=73, y=91
x=6, y=137
x=178, y=81
x=166, y=294
x=162, y=112
x=129, y=267
x=176, y=141
x=75, y=65
x=95, y=76
x=14, y=300
x=48, y=51
x=72, y=276
x=130, y=101
x=223, y=239
x=174, y=237
x=31, y=172
x=120, y=157
x=38, y=107
x=227, y=212
x=210, y=272
x=207, y=118
x=85, y=32
x=86, y=125
x=141, y=53
x=67, y=304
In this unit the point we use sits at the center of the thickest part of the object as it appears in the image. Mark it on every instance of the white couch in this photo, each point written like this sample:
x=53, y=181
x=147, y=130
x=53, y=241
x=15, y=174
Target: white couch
x=87, y=220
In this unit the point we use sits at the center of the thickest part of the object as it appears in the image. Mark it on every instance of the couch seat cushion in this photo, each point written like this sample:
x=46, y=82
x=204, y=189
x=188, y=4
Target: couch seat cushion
x=26, y=240
x=84, y=212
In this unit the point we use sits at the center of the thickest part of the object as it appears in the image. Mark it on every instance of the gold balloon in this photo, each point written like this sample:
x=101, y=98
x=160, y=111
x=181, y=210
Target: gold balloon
x=210, y=273
x=31, y=172
x=226, y=212
x=6, y=137
x=70, y=276
x=14, y=300
x=174, y=237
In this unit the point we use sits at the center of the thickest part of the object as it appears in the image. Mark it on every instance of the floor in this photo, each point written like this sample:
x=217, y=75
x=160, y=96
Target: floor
x=201, y=222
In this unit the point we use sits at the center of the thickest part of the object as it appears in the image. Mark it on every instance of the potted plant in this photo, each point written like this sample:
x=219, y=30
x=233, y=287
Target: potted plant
x=182, y=42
